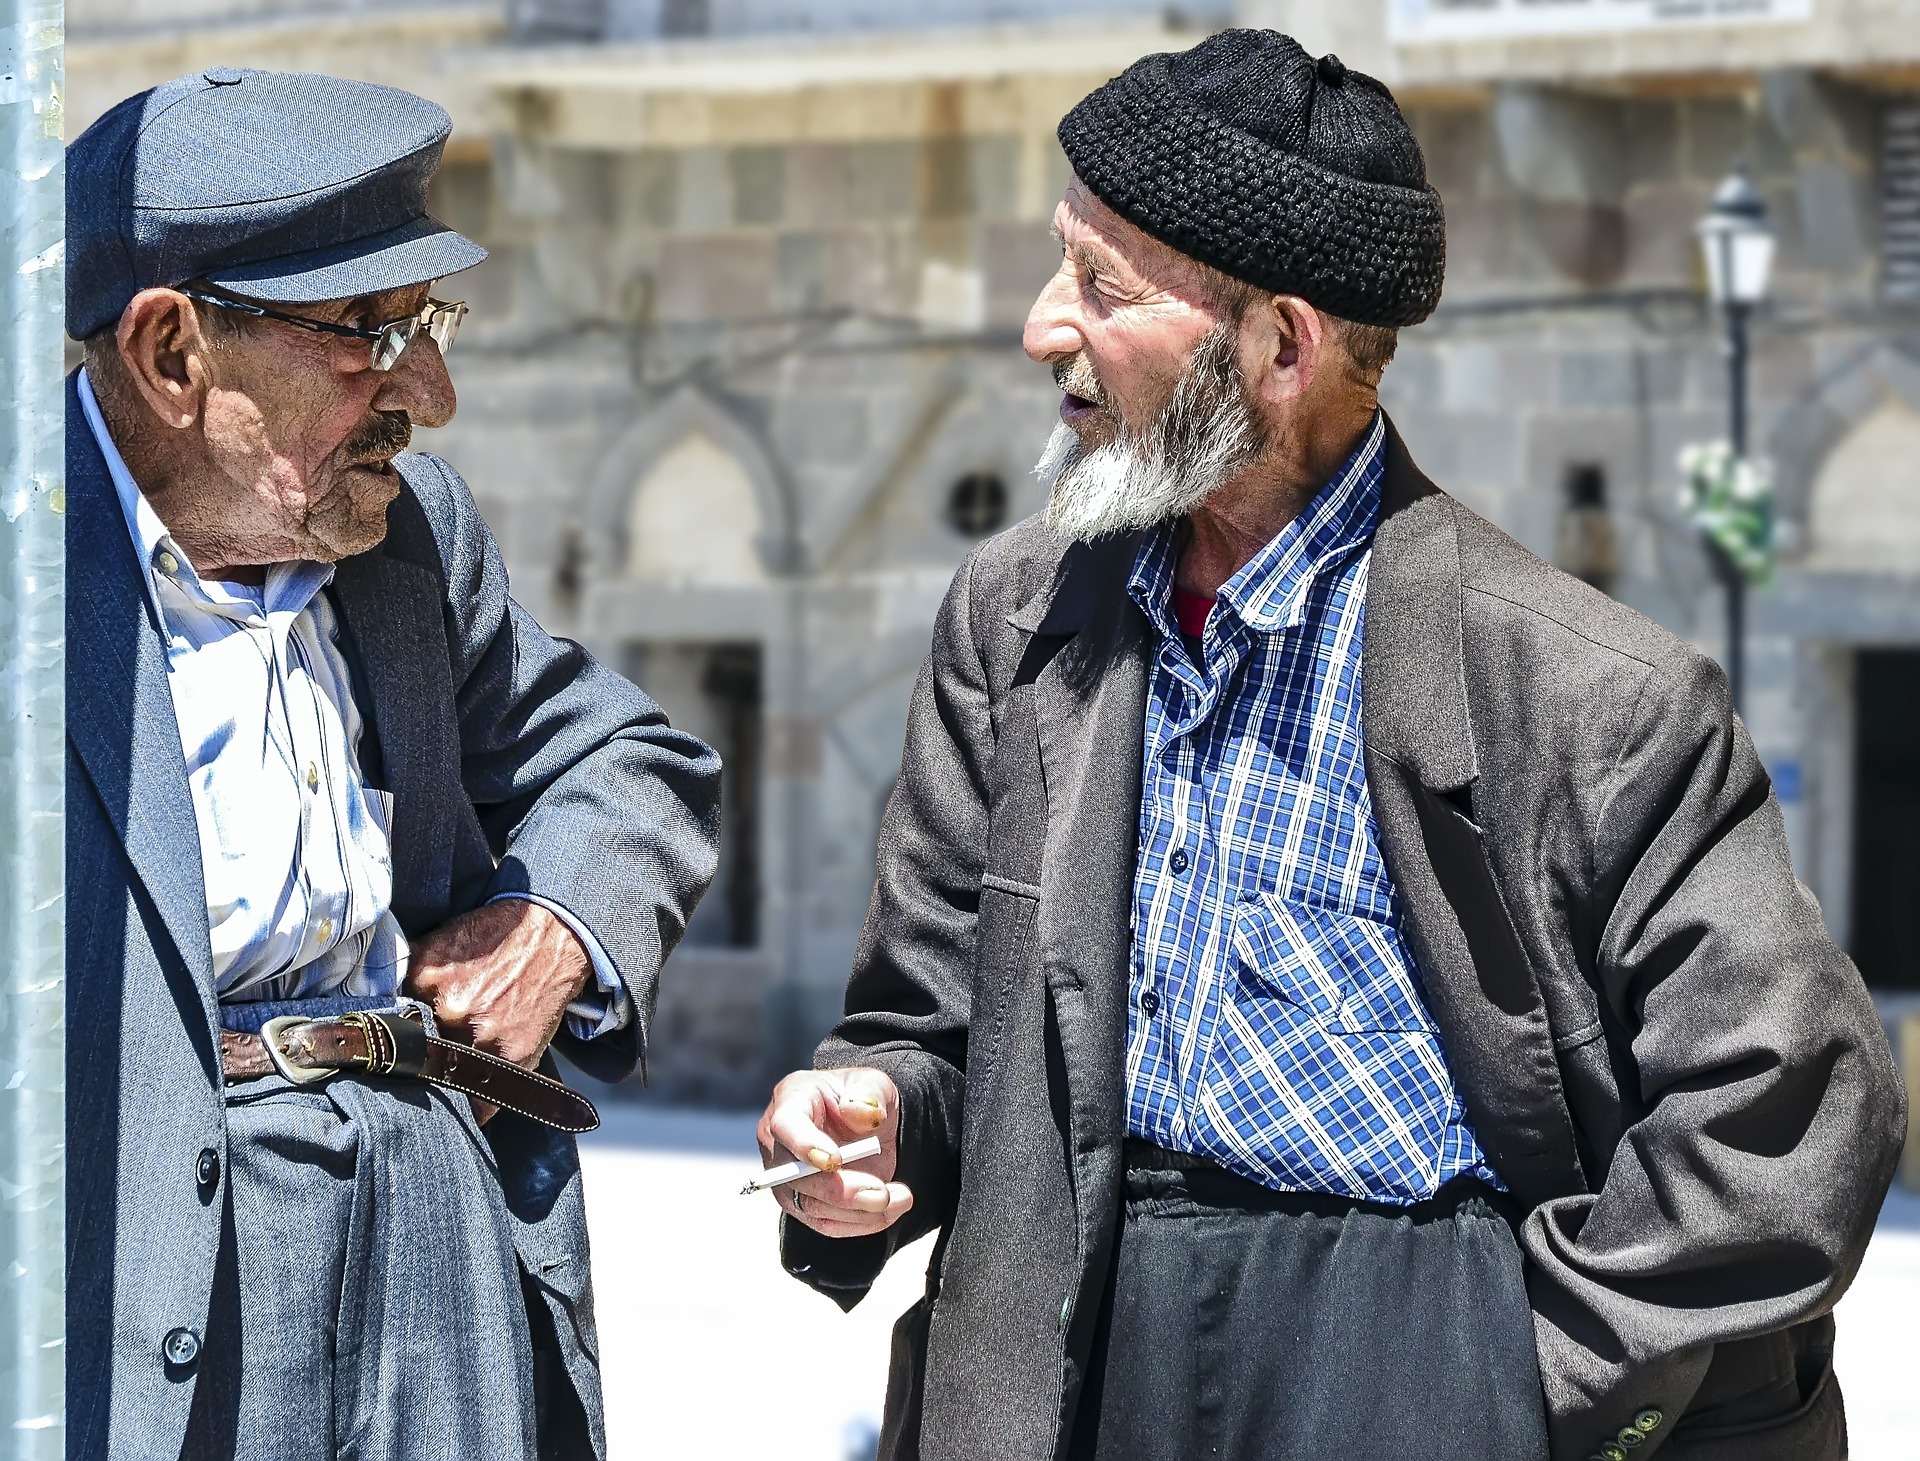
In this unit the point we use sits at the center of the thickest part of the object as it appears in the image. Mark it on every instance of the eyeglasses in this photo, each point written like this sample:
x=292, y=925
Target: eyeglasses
x=389, y=341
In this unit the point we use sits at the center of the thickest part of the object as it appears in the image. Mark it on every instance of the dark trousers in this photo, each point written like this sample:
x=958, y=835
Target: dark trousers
x=1242, y=1324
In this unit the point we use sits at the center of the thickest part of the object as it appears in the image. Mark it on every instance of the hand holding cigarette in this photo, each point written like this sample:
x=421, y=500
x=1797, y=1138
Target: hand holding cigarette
x=813, y=1117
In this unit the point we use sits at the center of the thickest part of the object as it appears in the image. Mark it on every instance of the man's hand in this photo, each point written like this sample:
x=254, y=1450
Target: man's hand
x=811, y=1113
x=500, y=978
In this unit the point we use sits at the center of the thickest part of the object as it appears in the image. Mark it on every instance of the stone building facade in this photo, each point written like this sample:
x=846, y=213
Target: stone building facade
x=742, y=384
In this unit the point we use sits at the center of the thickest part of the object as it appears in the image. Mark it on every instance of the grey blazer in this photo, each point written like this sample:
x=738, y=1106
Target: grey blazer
x=515, y=762
x=1668, y=1061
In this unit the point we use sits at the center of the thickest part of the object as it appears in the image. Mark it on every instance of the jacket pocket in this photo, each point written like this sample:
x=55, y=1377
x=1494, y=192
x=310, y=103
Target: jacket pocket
x=1344, y=973
x=1814, y=1430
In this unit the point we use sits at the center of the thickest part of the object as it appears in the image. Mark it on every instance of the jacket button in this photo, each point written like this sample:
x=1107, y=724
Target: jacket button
x=1613, y=1452
x=208, y=1169
x=180, y=1348
x=1178, y=862
x=1648, y=1421
x=1629, y=1437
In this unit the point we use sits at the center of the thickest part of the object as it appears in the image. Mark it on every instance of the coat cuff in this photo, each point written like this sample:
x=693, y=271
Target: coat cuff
x=607, y=1006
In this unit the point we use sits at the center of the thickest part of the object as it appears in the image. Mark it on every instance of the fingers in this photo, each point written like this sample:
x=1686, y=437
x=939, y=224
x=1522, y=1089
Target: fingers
x=790, y=1125
x=865, y=1098
x=871, y=1209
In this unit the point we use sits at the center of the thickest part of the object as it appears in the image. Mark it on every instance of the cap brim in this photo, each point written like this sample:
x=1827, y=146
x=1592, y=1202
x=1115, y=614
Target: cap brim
x=417, y=252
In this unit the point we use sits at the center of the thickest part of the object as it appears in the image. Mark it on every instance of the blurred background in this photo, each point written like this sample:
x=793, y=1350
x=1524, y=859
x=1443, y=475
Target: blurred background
x=742, y=385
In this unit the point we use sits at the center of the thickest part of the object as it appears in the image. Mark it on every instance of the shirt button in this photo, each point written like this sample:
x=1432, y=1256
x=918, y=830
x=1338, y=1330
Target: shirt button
x=1149, y=1004
x=313, y=777
x=208, y=1169
x=180, y=1348
x=1178, y=862
x=169, y=564
x=326, y=930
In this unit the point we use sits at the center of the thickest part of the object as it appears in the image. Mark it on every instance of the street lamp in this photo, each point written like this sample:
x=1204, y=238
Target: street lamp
x=1737, y=247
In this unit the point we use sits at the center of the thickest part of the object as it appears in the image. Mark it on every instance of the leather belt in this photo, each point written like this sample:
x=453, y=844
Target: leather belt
x=388, y=1043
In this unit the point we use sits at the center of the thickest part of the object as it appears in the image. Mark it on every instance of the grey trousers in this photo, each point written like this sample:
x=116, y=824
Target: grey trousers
x=368, y=1302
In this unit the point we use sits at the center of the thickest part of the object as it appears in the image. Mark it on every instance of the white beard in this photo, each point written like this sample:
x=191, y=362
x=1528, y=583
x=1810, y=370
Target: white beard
x=1203, y=438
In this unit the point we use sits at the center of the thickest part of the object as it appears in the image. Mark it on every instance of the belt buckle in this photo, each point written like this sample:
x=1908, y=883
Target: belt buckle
x=270, y=1034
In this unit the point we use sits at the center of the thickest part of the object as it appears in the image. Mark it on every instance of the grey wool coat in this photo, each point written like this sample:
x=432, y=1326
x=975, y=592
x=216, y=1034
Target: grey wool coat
x=1678, y=1075
x=516, y=763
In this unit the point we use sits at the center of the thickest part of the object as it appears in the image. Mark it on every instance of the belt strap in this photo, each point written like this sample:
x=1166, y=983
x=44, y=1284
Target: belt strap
x=308, y=1051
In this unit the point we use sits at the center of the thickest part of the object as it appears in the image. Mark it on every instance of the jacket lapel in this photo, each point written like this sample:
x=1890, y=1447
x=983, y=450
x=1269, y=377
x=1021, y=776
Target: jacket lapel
x=120, y=717
x=1421, y=769
x=1090, y=700
x=391, y=621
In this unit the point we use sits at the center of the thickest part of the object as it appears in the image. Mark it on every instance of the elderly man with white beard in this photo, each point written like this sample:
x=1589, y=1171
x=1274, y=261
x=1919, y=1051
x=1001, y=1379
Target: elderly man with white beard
x=1333, y=982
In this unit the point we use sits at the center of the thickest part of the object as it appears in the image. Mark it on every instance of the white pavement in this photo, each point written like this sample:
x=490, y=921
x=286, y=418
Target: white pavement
x=711, y=1352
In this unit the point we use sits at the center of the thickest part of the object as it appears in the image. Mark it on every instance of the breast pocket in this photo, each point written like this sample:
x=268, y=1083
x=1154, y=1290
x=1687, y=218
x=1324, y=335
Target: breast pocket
x=1346, y=974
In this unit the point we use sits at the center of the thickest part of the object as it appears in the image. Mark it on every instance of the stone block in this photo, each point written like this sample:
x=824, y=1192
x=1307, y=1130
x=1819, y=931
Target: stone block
x=650, y=188
x=816, y=185
x=706, y=190
x=1485, y=243
x=1717, y=135
x=1833, y=207
x=883, y=180
x=1597, y=380
x=1457, y=142
x=758, y=176
x=1650, y=136
x=714, y=278
x=800, y=273
x=1472, y=376
x=1527, y=377
x=815, y=426
x=993, y=171
x=1018, y=259
x=1662, y=251
x=1413, y=381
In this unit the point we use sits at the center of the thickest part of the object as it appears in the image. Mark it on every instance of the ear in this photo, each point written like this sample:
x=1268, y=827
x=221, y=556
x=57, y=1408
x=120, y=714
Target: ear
x=1284, y=347
x=166, y=353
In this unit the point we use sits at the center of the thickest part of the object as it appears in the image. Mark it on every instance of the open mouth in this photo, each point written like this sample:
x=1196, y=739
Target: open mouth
x=1073, y=408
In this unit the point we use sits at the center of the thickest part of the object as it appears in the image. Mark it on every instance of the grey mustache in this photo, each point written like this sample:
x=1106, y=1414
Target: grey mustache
x=1076, y=378
x=384, y=434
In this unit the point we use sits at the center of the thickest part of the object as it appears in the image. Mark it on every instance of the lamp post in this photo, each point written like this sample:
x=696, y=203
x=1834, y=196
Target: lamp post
x=1737, y=247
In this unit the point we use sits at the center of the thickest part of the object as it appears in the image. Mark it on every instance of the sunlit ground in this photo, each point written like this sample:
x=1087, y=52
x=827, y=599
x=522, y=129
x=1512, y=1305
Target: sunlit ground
x=711, y=1352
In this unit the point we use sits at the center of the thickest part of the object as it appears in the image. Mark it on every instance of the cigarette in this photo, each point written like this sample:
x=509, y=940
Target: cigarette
x=853, y=1151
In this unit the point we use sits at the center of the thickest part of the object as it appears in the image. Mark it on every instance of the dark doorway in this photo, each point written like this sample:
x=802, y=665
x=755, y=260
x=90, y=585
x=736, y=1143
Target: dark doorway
x=713, y=691
x=1886, y=819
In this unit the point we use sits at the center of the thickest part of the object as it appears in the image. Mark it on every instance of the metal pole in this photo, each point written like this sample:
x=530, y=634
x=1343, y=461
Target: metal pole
x=32, y=738
x=1730, y=576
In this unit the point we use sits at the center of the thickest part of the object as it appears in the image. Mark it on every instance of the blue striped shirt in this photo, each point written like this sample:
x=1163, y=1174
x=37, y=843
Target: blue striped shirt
x=1277, y=1025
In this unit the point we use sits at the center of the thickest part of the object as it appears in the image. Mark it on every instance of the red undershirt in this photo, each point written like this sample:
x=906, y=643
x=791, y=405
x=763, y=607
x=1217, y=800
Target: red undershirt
x=1190, y=612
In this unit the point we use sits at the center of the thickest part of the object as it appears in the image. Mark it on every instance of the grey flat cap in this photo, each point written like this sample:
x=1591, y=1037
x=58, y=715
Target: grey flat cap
x=280, y=186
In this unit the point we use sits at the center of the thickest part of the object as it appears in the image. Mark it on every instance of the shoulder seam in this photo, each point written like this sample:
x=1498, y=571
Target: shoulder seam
x=1574, y=629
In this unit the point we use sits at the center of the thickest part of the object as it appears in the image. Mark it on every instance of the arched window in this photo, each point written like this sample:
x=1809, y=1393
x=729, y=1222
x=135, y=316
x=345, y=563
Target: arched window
x=694, y=518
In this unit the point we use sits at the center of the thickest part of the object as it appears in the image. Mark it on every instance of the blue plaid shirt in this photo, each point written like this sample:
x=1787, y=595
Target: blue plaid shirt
x=1277, y=1025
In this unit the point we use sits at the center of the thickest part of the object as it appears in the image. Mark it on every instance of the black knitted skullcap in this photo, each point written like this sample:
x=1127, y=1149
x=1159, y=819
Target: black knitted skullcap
x=1296, y=175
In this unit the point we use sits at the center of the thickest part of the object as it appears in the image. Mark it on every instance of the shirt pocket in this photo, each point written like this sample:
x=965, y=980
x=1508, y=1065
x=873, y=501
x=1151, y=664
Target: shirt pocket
x=1346, y=974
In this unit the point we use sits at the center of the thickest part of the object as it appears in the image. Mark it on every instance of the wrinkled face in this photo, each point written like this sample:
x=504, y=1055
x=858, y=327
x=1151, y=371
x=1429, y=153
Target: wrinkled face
x=1154, y=417
x=303, y=431
x=1118, y=322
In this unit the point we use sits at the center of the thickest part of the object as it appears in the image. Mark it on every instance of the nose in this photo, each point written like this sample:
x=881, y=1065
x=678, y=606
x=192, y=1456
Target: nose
x=419, y=385
x=1053, y=329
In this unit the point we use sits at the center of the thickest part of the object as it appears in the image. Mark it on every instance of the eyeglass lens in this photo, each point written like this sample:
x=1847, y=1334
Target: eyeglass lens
x=442, y=322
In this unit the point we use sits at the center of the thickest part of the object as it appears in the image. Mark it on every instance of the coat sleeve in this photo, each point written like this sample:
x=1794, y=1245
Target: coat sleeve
x=910, y=997
x=587, y=795
x=1769, y=1112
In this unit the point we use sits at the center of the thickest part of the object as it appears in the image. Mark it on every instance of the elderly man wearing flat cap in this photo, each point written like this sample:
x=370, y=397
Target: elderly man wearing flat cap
x=350, y=840
x=1336, y=984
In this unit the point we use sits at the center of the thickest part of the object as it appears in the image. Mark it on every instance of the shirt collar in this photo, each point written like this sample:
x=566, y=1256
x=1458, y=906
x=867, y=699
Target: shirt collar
x=290, y=587
x=1269, y=593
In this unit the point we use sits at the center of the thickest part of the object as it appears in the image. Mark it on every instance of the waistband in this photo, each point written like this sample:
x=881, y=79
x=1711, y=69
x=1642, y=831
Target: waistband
x=249, y=1017
x=1156, y=1175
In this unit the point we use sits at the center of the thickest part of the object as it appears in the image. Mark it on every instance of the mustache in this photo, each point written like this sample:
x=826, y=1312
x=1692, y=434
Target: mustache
x=382, y=436
x=1077, y=378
